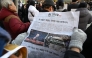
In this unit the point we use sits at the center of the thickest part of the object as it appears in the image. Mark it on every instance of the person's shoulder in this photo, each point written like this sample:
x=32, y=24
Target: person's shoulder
x=12, y=18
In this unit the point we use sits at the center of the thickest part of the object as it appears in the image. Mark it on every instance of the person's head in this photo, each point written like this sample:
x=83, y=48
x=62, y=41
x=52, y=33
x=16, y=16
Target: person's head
x=82, y=5
x=9, y=5
x=48, y=5
x=74, y=0
x=32, y=2
x=59, y=5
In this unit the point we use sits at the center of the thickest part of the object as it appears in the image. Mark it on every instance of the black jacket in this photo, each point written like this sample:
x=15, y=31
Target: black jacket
x=73, y=54
x=87, y=46
x=44, y=10
x=72, y=6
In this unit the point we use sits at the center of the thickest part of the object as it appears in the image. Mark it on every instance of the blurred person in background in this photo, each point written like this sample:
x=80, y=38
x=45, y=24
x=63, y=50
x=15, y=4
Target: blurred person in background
x=73, y=5
x=60, y=7
x=20, y=9
x=48, y=6
x=39, y=6
x=10, y=19
x=90, y=4
x=85, y=17
x=87, y=48
x=32, y=11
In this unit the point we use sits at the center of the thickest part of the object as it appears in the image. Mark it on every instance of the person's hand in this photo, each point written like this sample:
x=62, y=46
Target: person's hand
x=77, y=39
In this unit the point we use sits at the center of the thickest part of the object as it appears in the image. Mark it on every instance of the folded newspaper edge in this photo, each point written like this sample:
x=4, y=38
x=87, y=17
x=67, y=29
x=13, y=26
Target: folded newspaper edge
x=11, y=52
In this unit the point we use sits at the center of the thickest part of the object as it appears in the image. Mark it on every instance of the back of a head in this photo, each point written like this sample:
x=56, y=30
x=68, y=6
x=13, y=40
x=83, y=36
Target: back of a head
x=74, y=0
x=60, y=4
x=60, y=0
x=48, y=3
x=6, y=3
x=82, y=5
x=32, y=2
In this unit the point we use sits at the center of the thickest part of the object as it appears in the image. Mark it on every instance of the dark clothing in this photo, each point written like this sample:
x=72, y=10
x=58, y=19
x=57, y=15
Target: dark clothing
x=72, y=6
x=73, y=54
x=90, y=4
x=39, y=8
x=2, y=45
x=87, y=46
x=0, y=5
x=44, y=10
x=60, y=0
x=26, y=14
x=20, y=12
x=84, y=19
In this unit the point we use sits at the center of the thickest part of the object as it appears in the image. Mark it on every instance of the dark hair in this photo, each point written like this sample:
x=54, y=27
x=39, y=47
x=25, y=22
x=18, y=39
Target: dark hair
x=82, y=5
x=48, y=3
x=47, y=6
x=74, y=0
x=32, y=2
x=59, y=4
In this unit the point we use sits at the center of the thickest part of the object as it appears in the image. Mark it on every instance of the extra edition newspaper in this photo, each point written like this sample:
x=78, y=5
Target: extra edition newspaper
x=49, y=34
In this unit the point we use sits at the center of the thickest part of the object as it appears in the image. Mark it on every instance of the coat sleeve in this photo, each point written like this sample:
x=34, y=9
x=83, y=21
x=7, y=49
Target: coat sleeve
x=73, y=54
x=90, y=19
x=87, y=48
x=32, y=10
x=18, y=26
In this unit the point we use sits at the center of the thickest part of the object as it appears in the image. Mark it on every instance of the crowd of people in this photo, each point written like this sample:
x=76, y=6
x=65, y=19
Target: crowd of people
x=13, y=24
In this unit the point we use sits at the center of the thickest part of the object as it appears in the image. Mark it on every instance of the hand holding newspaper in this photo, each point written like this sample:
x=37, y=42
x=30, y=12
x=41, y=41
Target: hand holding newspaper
x=49, y=34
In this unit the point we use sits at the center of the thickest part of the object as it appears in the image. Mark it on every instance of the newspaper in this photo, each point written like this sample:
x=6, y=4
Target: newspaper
x=49, y=34
x=12, y=49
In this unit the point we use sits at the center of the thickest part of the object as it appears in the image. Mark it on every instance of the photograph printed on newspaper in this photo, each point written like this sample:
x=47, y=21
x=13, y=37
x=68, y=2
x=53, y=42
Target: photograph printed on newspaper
x=49, y=34
x=52, y=41
x=55, y=42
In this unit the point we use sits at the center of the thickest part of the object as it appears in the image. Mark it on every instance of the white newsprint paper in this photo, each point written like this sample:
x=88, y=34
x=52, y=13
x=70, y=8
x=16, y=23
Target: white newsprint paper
x=49, y=34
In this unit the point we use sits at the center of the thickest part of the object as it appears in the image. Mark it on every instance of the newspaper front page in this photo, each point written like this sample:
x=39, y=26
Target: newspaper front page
x=49, y=34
